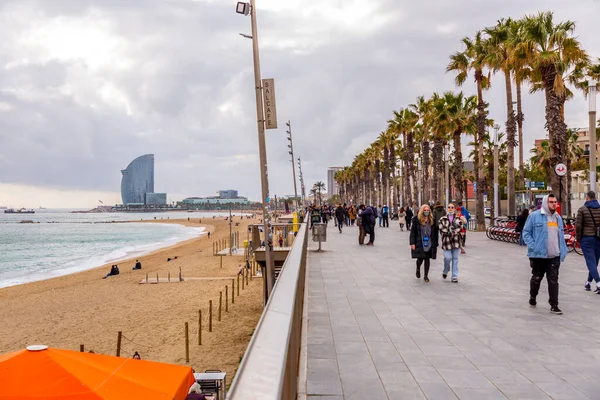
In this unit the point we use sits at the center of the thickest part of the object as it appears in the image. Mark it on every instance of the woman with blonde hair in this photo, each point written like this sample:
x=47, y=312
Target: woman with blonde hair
x=423, y=239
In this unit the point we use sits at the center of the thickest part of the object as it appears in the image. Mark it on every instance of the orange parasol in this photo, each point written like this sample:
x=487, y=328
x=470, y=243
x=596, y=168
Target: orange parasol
x=43, y=373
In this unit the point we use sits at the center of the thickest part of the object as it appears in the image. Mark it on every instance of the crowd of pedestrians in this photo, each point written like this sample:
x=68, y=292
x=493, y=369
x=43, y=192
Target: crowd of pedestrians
x=433, y=226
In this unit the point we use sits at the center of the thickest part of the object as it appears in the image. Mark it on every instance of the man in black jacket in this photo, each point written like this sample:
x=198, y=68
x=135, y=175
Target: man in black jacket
x=340, y=215
x=369, y=217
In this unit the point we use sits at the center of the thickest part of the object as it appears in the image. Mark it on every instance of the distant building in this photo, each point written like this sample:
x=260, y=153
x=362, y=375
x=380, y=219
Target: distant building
x=332, y=186
x=138, y=179
x=214, y=200
x=156, y=199
x=228, y=194
x=137, y=184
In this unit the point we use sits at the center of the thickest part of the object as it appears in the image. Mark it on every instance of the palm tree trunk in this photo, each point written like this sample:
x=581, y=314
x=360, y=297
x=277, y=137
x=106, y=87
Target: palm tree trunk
x=520, y=119
x=481, y=119
x=410, y=151
x=511, y=130
x=557, y=131
x=438, y=167
x=458, y=167
x=425, y=173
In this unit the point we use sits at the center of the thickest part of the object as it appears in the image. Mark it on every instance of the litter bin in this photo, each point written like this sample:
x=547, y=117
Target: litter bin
x=319, y=233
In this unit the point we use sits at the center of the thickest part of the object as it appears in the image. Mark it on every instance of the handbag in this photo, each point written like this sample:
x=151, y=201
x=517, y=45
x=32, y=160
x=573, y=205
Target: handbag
x=596, y=228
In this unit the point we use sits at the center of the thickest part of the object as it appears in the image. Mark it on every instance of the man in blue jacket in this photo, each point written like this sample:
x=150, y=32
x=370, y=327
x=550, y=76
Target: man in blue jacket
x=546, y=249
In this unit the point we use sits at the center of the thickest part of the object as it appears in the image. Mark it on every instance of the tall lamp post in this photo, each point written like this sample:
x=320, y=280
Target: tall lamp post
x=291, y=151
x=496, y=186
x=447, y=173
x=301, y=182
x=419, y=182
x=245, y=9
x=592, y=109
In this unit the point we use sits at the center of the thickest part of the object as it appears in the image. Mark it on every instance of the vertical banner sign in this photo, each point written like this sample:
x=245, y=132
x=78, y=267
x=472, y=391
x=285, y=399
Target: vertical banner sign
x=269, y=103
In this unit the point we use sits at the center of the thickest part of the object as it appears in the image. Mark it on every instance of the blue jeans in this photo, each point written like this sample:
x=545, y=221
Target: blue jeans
x=451, y=256
x=591, y=252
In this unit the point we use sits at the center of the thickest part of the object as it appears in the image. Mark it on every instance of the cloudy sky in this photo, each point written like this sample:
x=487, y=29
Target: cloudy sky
x=88, y=85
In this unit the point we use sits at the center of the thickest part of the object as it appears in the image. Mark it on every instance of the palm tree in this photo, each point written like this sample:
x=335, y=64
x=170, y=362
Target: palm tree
x=541, y=155
x=318, y=188
x=461, y=118
x=552, y=52
x=500, y=58
x=473, y=59
x=424, y=110
x=439, y=126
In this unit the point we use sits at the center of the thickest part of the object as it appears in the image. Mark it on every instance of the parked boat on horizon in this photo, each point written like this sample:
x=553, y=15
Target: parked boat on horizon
x=19, y=211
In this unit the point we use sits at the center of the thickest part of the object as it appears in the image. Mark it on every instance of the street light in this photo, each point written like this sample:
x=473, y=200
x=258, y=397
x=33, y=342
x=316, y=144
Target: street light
x=592, y=110
x=496, y=186
x=291, y=151
x=245, y=9
x=419, y=182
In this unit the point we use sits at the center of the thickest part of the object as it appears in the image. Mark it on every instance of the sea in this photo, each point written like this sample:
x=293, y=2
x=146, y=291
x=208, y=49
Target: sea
x=60, y=242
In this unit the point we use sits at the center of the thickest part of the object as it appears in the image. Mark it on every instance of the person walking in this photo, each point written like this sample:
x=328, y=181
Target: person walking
x=409, y=217
x=546, y=249
x=340, y=215
x=450, y=226
x=402, y=218
x=587, y=230
x=379, y=210
x=368, y=221
x=438, y=212
x=424, y=240
x=465, y=213
x=385, y=214
x=521, y=219
x=359, y=223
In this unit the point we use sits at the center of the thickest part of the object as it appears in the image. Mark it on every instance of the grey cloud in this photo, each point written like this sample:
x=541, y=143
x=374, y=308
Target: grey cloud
x=190, y=89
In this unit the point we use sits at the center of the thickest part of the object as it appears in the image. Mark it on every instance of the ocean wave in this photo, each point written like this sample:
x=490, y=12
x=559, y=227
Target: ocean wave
x=47, y=266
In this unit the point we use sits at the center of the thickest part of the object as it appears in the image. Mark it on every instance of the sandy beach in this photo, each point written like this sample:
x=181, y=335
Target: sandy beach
x=83, y=308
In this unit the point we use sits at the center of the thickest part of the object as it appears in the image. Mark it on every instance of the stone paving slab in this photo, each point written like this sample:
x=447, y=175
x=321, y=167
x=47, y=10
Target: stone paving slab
x=375, y=331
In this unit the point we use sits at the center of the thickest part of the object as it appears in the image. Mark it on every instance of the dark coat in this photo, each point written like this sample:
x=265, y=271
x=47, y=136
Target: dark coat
x=368, y=218
x=438, y=212
x=340, y=213
x=409, y=215
x=584, y=224
x=417, y=240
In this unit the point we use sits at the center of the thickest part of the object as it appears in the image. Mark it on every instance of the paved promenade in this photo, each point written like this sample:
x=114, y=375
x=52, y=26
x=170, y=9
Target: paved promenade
x=375, y=331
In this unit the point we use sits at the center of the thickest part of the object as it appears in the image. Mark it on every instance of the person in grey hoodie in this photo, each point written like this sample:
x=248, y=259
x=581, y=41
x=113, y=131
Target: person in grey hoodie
x=546, y=249
x=588, y=220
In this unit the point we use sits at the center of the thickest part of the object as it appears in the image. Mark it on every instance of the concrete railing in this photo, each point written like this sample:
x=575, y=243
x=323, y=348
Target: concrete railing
x=269, y=369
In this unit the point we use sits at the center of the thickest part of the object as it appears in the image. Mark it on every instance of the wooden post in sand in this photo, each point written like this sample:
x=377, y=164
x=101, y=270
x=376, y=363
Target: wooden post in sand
x=247, y=279
x=226, y=298
x=199, y=327
x=169, y=277
x=242, y=280
x=187, y=344
x=180, y=276
x=238, y=285
x=157, y=277
x=81, y=348
x=220, y=304
x=221, y=261
x=119, y=343
x=210, y=315
x=233, y=291
x=146, y=278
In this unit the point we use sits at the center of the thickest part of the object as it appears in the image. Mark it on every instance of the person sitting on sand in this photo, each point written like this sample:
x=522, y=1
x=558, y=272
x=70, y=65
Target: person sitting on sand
x=114, y=270
x=136, y=356
x=138, y=265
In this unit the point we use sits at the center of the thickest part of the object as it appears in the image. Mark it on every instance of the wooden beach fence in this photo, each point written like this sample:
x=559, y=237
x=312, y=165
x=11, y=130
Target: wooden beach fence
x=187, y=344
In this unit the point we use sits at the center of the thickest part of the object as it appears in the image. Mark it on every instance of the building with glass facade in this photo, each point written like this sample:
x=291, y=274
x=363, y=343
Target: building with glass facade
x=138, y=179
x=156, y=199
